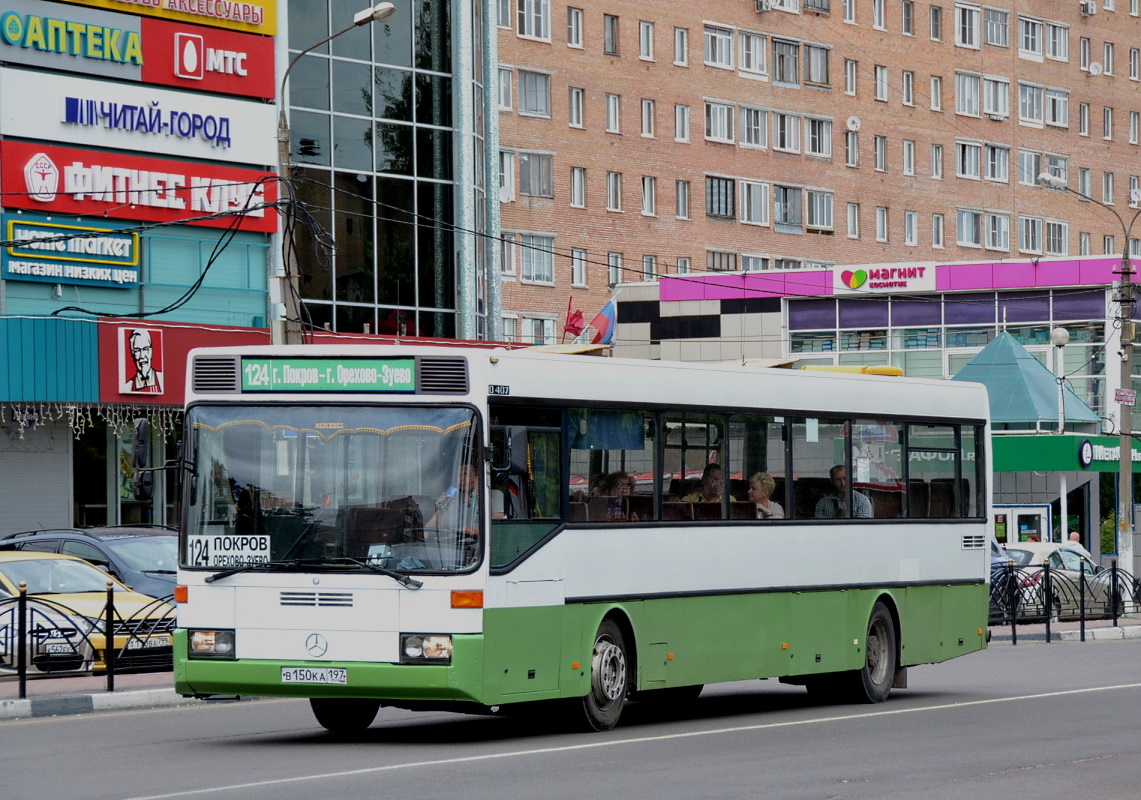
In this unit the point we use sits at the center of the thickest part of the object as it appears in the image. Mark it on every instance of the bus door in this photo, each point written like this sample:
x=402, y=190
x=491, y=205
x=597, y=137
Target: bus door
x=525, y=482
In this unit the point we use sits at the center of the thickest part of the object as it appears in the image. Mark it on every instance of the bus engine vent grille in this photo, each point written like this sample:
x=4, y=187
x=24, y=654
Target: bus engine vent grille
x=974, y=542
x=443, y=376
x=214, y=374
x=314, y=599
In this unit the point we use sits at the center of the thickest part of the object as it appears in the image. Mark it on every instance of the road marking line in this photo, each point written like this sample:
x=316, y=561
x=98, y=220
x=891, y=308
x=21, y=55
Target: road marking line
x=635, y=740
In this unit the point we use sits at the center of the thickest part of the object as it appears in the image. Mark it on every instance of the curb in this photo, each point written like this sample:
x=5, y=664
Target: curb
x=89, y=703
x=1096, y=634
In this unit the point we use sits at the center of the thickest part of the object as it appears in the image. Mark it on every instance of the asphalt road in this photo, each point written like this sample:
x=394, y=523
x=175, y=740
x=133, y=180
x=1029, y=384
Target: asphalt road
x=1032, y=721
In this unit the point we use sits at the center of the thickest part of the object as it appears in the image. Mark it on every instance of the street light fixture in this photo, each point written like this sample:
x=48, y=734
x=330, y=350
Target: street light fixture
x=288, y=330
x=1124, y=298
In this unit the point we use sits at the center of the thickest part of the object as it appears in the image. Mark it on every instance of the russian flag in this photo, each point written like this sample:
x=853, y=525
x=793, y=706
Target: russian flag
x=604, y=323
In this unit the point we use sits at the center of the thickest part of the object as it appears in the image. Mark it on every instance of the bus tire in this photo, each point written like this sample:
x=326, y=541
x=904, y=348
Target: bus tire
x=873, y=681
x=344, y=715
x=609, y=678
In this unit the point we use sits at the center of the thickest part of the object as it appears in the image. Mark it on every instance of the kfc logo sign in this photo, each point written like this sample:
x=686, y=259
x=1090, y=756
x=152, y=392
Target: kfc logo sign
x=41, y=176
x=193, y=59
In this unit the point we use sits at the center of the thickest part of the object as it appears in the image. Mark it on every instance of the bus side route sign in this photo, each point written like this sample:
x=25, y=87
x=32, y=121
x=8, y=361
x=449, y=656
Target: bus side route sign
x=328, y=375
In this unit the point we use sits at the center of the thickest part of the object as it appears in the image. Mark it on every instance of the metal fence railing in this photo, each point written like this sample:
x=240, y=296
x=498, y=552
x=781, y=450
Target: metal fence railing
x=1044, y=594
x=42, y=637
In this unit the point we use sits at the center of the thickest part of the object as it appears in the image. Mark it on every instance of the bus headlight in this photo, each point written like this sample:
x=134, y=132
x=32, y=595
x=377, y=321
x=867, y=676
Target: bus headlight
x=418, y=648
x=211, y=644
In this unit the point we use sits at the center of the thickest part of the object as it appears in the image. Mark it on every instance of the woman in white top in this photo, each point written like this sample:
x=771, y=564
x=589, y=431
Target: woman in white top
x=761, y=487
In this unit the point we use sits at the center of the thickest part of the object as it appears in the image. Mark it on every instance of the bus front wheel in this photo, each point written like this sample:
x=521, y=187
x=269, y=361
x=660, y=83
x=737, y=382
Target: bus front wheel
x=344, y=715
x=609, y=678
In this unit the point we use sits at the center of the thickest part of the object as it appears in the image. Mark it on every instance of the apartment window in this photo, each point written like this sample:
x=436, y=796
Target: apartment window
x=819, y=141
x=970, y=228
x=816, y=65
x=878, y=14
x=850, y=69
x=1030, y=37
x=786, y=132
x=613, y=268
x=1030, y=234
x=852, y=148
x=681, y=193
x=534, y=94
x=1134, y=126
x=610, y=34
x=575, y=100
x=969, y=159
x=507, y=245
x=908, y=157
x=574, y=27
x=537, y=258
x=881, y=83
x=936, y=93
x=996, y=27
x=786, y=62
x=881, y=224
x=1134, y=64
x=850, y=11
x=754, y=203
x=578, y=267
x=1084, y=182
x=1134, y=191
x=649, y=196
x=681, y=46
x=937, y=161
x=646, y=40
x=1107, y=123
x=503, y=19
x=719, y=195
x=613, y=191
x=1107, y=188
x=997, y=163
x=1029, y=167
x=819, y=210
x=752, y=58
x=1107, y=245
x=719, y=122
x=718, y=47
x=996, y=97
x=907, y=88
x=504, y=88
x=1107, y=58
x=613, y=114
x=853, y=220
x=1083, y=53
x=650, y=268
x=910, y=228
x=967, y=94
x=998, y=231
x=1030, y=103
x=578, y=187
x=719, y=261
x=538, y=331
x=907, y=18
x=935, y=23
x=647, y=117
x=1083, y=119
x=1084, y=244
x=786, y=206
x=753, y=263
x=683, y=265
x=535, y=19
x=967, y=26
x=753, y=123
x=879, y=147
x=535, y=175
x=1057, y=238
x=1057, y=42
x=936, y=230
x=681, y=123
x=506, y=176
x=1057, y=107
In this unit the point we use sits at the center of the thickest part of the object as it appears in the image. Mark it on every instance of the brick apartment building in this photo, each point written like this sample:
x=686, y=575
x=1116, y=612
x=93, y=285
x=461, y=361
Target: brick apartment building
x=646, y=139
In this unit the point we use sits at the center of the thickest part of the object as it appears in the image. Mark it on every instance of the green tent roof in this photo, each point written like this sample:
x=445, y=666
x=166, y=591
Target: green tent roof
x=1023, y=392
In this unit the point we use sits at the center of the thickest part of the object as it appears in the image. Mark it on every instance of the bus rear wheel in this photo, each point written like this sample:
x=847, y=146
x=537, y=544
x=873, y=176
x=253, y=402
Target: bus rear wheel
x=344, y=715
x=609, y=678
x=872, y=682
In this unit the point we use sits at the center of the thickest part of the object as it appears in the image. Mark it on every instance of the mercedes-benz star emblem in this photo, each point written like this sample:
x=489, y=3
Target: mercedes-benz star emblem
x=317, y=645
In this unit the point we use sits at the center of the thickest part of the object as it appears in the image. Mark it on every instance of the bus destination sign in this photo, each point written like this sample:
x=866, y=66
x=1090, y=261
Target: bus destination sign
x=328, y=375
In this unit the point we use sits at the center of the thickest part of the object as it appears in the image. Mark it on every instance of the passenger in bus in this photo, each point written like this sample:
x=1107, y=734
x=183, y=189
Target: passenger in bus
x=618, y=486
x=710, y=486
x=761, y=487
x=835, y=505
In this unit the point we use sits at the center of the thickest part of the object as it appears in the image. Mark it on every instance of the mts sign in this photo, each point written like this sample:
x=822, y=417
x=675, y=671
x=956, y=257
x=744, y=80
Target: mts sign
x=193, y=58
x=207, y=59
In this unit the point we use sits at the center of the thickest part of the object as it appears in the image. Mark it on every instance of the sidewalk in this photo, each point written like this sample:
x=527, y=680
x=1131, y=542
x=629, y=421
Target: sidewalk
x=51, y=697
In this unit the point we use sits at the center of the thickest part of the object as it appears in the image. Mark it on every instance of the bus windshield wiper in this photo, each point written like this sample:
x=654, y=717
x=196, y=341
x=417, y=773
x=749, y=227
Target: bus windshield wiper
x=298, y=563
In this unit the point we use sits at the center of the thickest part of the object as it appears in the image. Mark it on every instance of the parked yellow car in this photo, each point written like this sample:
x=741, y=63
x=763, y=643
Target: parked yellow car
x=70, y=589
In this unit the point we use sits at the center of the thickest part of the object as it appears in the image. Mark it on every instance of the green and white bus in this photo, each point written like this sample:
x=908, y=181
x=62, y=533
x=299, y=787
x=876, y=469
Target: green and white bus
x=430, y=527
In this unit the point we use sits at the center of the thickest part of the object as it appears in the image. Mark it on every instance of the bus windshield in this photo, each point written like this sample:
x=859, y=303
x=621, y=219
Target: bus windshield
x=398, y=487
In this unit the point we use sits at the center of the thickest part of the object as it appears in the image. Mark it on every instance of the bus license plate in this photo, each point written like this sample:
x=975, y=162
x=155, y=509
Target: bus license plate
x=314, y=675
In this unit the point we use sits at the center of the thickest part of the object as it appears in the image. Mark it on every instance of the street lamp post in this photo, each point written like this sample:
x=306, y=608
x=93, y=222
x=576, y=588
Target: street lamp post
x=1124, y=298
x=287, y=330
